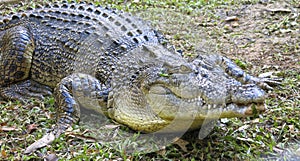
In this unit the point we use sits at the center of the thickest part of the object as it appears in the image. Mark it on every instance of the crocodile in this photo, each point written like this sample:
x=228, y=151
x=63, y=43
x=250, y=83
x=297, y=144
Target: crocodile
x=116, y=64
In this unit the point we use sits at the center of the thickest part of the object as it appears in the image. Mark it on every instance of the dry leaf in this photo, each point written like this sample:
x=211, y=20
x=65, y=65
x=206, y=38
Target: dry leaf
x=31, y=128
x=235, y=24
x=51, y=157
x=255, y=120
x=3, y=154
x=278, y=10
x=291, y=127
x=246, y=139
x=266, y=74
x=224, y=120
x=48, y=115
x=112, y=126
x=81, y=136
x=242, y=128
x=2, y=102
x=44, y=141
x=231, y=18
x=3, y=123
x=162, y=151
x=7, y=128
x=278, y=150
x=8, y=1
x=181, y=143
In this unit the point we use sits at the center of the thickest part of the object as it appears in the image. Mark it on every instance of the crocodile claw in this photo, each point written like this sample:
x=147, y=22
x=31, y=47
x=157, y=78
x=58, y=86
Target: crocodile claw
x=25, y=90
x=268, y=83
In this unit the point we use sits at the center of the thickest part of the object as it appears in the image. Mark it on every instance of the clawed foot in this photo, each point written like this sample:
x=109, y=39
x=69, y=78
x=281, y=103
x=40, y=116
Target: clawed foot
x=268, y=83
x=25, y=90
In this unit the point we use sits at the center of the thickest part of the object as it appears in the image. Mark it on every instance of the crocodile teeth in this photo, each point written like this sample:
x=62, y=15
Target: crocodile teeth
x=208, y=107
x=199, y=98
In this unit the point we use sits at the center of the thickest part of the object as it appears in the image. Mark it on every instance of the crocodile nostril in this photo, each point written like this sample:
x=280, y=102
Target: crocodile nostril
x=194, y=69
x=204, y=75
x=185, y=68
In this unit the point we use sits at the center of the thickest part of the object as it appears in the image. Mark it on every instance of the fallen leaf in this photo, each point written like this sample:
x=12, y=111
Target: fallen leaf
x=224, y=120
x=235, y=24
x=15, y=107
x=31, y=128
x=162, y=151
x=86, y=131
x=111, y=126
x=2, y=102
x=181, y=143
x=291, y=127
x=278, y=10
x=81, y=136
x=51, y=157
x=231, y=18
x=8, y=1
x=3, y=123
x=242, y=128
x=255, y=120
x=265, y=75
x=246, y=139
x=7, y=128
x=3, y=154
x=278, y=150
x=285, y=31
x=44, y=141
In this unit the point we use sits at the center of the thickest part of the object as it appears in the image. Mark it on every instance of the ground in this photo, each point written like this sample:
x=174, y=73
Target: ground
x=261, y=36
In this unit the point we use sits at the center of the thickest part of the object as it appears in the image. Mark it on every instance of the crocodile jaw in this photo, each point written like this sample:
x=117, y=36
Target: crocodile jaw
x=234, y=110
x=167, y=104
x=189, y=114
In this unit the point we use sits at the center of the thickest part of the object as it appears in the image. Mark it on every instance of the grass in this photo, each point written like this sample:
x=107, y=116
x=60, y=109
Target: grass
x=258, y=42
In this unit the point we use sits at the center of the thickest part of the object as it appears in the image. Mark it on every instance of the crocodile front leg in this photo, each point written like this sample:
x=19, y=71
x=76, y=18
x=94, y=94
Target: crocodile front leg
x=75, y=91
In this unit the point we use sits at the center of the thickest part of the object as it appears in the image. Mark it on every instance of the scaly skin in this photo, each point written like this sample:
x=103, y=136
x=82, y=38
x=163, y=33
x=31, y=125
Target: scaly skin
x=116, y=64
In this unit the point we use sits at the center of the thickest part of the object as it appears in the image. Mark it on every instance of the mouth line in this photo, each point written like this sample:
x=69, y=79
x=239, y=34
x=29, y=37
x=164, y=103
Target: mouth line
x=248, y=109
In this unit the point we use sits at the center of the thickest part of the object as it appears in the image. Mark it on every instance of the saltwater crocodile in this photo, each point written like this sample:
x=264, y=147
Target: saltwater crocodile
x=114, y=63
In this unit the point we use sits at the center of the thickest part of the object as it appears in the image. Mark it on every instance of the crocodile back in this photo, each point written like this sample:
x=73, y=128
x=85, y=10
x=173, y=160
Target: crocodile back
x=77, y=37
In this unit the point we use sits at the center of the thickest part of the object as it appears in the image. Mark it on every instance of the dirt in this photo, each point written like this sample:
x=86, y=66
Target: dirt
x=263, y=35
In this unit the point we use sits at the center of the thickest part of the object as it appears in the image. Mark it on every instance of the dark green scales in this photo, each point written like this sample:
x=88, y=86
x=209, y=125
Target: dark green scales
x=116, y=64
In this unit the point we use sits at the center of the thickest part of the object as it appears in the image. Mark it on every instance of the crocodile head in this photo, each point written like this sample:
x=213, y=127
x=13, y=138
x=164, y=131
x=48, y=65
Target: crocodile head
x=167, y=93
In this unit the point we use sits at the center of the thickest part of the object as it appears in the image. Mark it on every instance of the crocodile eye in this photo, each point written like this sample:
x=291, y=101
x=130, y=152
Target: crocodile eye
x=185, y=69
x=167, y=65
